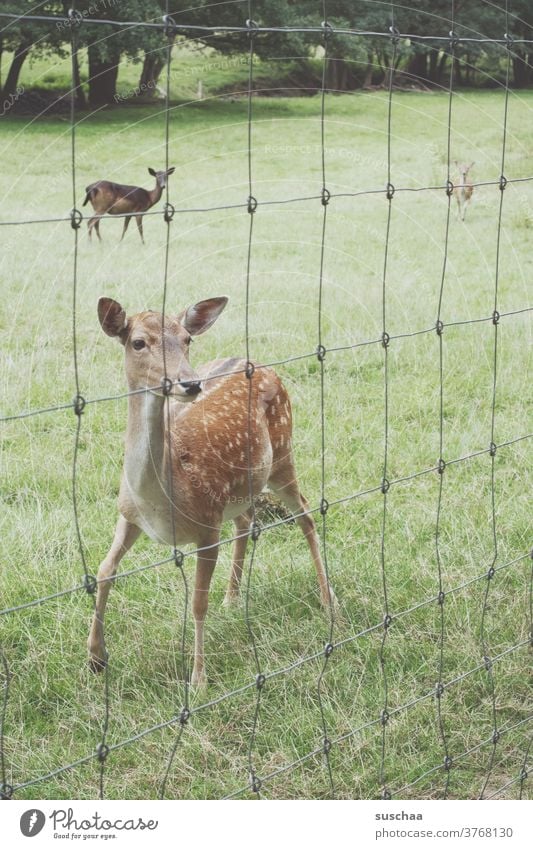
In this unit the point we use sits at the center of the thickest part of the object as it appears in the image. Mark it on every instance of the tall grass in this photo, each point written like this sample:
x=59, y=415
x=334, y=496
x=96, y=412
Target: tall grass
x=56, y=706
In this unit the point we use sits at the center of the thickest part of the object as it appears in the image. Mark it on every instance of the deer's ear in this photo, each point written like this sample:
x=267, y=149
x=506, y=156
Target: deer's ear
x=151, y=171
x=199, y=318
x=171, y=170
x=471, y=165
x=112, y=317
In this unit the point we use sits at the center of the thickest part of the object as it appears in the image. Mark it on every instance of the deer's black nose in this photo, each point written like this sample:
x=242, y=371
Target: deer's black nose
x=192, y=387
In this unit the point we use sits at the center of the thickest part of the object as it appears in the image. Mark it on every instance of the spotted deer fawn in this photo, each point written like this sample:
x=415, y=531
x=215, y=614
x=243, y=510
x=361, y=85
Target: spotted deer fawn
x=463, y=189
x=186, y=468
x=115, y=199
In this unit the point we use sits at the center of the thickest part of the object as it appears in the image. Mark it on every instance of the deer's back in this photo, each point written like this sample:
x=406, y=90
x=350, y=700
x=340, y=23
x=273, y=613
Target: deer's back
x=116, y=198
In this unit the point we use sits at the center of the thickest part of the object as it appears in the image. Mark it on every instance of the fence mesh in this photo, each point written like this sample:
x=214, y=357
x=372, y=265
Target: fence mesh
x=328, y=646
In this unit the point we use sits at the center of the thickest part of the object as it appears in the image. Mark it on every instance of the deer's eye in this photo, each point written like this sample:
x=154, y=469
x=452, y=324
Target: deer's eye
x=139, y=344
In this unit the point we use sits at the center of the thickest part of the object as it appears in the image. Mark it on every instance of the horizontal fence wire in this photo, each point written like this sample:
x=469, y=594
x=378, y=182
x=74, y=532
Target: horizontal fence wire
x=170, y=28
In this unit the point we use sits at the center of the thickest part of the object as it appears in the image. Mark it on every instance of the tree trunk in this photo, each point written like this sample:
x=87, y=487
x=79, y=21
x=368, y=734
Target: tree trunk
x=151, y=71
x=367, y=82
x=81, y=102
x=103, y=75
x=417, y=67
x=10, y=86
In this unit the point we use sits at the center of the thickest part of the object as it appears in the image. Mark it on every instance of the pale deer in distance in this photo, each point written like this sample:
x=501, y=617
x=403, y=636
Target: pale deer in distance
x=463, y=189
x=116, y=199
x=213, y=436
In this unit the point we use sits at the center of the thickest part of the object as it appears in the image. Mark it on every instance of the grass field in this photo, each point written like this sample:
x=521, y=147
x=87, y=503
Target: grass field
x=56, y=707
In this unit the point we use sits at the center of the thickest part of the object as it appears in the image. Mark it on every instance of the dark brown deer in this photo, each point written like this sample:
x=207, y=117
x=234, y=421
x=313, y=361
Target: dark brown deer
x=115, y=199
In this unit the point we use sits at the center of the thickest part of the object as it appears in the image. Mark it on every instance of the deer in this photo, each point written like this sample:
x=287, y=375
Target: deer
x=225, y=435
x=464, y=189
x=117, y=199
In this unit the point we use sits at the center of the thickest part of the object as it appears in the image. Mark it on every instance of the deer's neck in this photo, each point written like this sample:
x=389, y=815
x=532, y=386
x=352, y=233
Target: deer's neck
x=145, y=456
x=155, y=194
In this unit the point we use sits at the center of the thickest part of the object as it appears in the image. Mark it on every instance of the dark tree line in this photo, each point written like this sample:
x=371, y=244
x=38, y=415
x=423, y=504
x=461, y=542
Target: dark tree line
x=354, y=61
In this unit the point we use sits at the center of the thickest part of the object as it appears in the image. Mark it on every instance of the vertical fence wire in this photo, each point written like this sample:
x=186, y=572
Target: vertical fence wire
x=321, y=354
x=385, y=340
x=255, y=781
x=184, y=711
x=102, y=750
x=441, y=462
x=495, y=320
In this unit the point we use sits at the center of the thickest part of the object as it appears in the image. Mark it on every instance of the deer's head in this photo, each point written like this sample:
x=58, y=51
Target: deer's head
x=161, y=176
x=157, y=348
x=464, y=168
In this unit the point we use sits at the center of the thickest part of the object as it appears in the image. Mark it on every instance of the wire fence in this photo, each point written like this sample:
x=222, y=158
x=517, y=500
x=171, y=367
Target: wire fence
x=489, y=661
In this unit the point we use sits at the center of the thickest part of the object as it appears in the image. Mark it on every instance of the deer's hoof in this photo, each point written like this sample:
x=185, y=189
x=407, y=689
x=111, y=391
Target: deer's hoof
x=199, y=680
x=96, y=664
x=230, y=600
x=329, y=601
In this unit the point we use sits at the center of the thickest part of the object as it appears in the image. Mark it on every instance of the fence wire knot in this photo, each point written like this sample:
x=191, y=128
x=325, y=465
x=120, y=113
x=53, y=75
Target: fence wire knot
x=441, y=466
x=170, y=28
x=255, y=783
x=495, y=317
x=449, y=188
x=75, y=17
x=448, y=763
x=454, y=40
x=89, y=582
x=324, y=506
x=327, y=30
x=328, y=649
x=390, y=191
x=502, y=183
x=325, y=196
x=320, y=353
x=102, y=751
x=252, y=204
x=441, y=596
x=6, y=791
x=326, y=746
x=78, y=403
x=387, y=621
x=386, y=794
x=523, y=774
x=491, y=573
x=255, y=531
x=252, y=28
x=495, y=737
x=396, y=34
x=487, y=662
x=439, y=689
x=385, y=339
x=184, y=716
x=260, y=680
x=492, y=449
x=168, y=213
x=249, y=369
x=509, y=40
x=166, y=386
x=178, y=558
x=76, y=217
x=384, y=717
x=385, y=486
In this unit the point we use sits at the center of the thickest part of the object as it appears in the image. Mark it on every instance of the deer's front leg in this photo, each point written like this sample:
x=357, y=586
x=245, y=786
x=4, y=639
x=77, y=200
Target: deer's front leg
x=205, y=565
x=125, y=536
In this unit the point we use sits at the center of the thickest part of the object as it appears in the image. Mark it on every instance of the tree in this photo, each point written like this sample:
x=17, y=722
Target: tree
x=20, y=37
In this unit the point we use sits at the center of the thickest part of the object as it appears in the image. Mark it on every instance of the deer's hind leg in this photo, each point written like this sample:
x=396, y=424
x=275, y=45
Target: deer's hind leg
x=94, y=223
x=125, y=536
x=284, y=483
x=242, y=524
